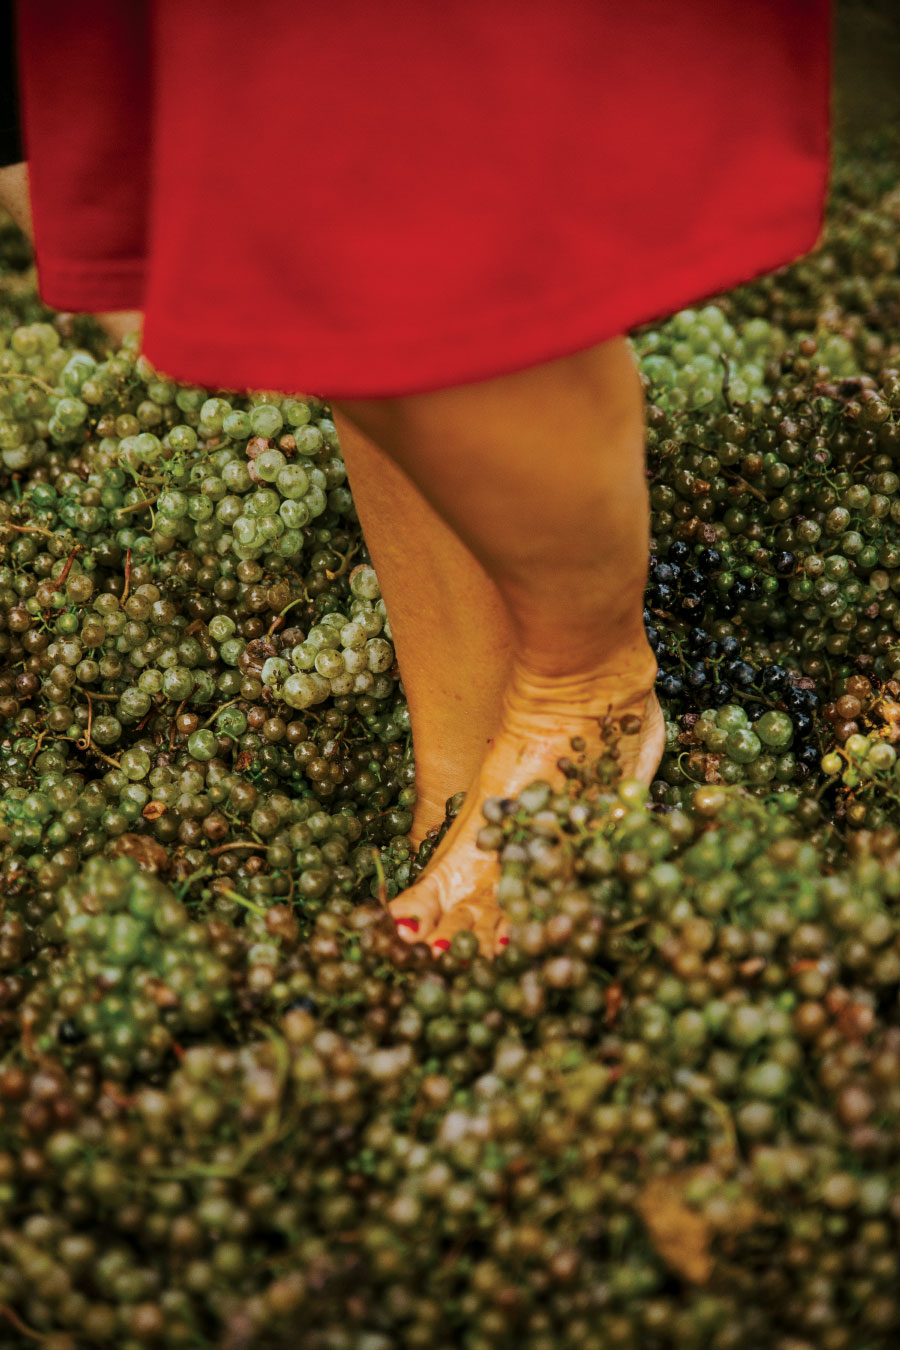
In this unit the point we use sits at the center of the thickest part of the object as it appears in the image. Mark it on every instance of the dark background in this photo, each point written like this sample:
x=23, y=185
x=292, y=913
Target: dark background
x=866, y=68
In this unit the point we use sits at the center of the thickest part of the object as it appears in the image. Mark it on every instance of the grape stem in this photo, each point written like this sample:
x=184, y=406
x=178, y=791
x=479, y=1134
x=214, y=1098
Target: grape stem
x=106, y=758
x=299, y=600
x=37, y=745
x=630, y=925
x=185, y=886
x=19, y=1325
x=127, y=588
x=33, y=379
x=137, y=506
x=345, y=563
x=748, y=487
x=229, y=704
x=60, y=580
x=28, y=529
x=382, y=879
x=84, y=743
x=722, y=1113
x=247, y=904
x=174, y=723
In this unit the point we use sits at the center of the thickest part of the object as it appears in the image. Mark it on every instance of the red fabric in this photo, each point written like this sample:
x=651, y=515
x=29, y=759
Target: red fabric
x=367, y=199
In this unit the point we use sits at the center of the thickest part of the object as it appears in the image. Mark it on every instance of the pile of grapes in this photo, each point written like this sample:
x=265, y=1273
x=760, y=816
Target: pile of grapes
x=236, y=1110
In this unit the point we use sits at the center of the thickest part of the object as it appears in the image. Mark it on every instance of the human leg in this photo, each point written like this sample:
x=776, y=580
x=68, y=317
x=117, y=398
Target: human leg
x=541, y=474
x=450, y=627
x=15, y=200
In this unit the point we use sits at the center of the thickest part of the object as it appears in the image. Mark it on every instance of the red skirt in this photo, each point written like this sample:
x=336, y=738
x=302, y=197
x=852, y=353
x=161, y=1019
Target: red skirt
x=359, y=199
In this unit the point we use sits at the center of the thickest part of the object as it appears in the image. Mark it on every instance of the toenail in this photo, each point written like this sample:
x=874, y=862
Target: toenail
x=405, y=921
x=503, y=941
x=441, y=945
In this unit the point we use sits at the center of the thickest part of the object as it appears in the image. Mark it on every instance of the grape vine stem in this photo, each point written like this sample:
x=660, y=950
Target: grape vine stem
x=61, y=579
x=137, y=506
x=19, y=1325
x=32, y=379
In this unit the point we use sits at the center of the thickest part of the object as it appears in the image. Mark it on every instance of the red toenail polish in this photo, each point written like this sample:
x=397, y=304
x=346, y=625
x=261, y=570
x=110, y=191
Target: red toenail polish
x=504, y=942
x=441, y=945
x=406, y=922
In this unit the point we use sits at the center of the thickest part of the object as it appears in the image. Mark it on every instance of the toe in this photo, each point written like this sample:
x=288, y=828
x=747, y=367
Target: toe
x=415, y=915
x=501, y=936
x=482, y=920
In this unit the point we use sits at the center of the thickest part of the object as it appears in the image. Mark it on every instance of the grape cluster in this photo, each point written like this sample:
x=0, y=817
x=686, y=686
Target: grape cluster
x=342, y=654
x=689, y=1035
x=734, y=745
x=135, y=971
x=699, y=359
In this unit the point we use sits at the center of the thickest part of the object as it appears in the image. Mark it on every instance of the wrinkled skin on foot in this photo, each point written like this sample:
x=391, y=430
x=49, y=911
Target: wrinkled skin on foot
x=539, y=720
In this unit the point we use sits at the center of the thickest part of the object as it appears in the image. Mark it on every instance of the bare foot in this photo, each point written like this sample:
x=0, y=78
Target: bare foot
x=447, y=758
x=538, y=721
x=431, y=806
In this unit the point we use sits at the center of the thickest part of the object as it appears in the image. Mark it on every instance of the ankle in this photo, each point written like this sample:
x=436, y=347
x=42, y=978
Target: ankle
x=428, y=815
x=618, y=682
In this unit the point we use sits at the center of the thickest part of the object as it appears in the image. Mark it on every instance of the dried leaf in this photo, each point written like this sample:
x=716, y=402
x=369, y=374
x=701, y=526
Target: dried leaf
x=889, y=712
x=153, y=810
x=679, y=1234
x=147, y=853
x=711, y=770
